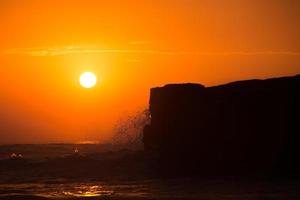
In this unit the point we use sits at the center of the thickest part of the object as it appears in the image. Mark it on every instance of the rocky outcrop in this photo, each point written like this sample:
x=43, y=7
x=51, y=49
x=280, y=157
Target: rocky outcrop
x=241, y=127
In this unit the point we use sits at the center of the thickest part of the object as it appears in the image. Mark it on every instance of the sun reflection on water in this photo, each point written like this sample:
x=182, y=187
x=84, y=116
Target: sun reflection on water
x=77, y=190
x=57, y=190
x=87, y=191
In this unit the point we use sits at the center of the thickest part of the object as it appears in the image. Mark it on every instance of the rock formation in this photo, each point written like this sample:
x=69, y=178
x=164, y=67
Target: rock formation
x=241, y=127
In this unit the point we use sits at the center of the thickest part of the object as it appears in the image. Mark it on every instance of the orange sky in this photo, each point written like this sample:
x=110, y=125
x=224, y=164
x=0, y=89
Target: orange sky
x=131, y=46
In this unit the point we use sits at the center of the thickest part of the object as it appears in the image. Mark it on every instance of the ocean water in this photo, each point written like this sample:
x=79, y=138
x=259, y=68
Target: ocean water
x=106, y=172
x=153, y=189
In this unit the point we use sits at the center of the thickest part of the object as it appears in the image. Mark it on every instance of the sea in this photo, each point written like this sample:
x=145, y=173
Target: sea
x=104, y=171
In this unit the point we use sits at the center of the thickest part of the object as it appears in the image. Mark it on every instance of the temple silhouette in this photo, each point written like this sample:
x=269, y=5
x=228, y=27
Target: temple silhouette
x=244, y=127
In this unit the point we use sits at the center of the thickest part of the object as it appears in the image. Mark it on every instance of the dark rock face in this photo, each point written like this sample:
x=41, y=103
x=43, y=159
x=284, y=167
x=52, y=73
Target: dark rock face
x=241, y=127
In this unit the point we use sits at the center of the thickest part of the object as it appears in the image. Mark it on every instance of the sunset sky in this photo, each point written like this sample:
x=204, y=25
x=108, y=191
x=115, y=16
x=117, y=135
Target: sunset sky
x=131, y=46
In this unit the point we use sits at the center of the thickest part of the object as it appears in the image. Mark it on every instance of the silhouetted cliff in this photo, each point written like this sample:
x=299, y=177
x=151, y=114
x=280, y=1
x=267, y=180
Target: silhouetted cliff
x=241, y=127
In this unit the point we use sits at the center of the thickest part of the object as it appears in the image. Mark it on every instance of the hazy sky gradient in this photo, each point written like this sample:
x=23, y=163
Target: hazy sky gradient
x=131, y=46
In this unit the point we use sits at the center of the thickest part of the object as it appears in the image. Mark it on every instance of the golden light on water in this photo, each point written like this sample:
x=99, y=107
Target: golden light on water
x=87, y=191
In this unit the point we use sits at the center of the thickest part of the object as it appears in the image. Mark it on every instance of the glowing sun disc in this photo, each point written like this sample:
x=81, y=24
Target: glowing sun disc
x=88, y=80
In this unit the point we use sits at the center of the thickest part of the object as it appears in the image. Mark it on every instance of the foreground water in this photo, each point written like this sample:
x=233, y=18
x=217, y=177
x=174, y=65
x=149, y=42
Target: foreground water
x=52, y=172
x=154, y=189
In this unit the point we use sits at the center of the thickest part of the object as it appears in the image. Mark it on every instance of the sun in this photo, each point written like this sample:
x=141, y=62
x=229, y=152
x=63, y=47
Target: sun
x=88, y=79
